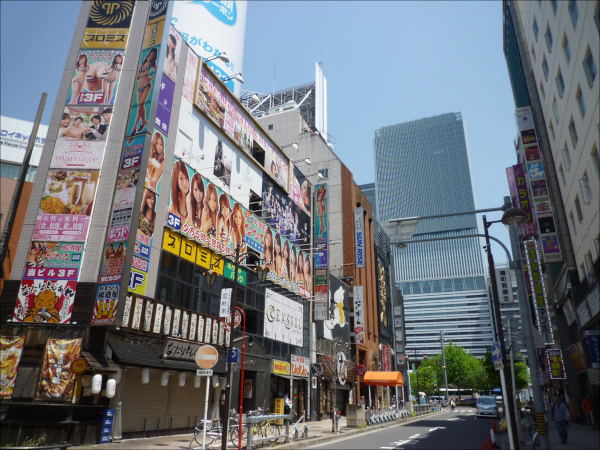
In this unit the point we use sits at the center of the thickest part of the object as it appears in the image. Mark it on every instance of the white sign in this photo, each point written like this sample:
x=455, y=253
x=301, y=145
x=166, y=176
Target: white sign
x=204, y=372
x=14, y=138
x=498, y=365
x=504, y=285
x=300, y=366
x=320, y=311
x=225, y=309
x=359, y=237
x=341, y=368
x=214, y=27
x=283, y=319
x=359, y=315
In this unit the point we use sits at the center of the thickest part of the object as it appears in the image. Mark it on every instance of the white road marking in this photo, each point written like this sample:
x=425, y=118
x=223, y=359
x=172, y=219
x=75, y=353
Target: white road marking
x=454, y=418
x=414, y=436
x=433, y=429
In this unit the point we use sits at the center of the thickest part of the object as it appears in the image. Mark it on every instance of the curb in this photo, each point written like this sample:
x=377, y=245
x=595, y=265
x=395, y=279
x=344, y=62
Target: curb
x=315, y=441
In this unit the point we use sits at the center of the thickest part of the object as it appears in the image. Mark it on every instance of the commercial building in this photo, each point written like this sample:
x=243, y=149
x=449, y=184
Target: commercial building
x=152, y=175
x=14, y=139
x=552, y=55
x=443, y=283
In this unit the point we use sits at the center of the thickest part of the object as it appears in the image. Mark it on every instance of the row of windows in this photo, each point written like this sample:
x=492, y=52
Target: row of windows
x=448, y=285
x=12, y=171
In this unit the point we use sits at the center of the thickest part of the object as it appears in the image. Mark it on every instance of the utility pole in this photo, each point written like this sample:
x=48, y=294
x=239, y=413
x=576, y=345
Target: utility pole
x=14, y=204
x=444, y=365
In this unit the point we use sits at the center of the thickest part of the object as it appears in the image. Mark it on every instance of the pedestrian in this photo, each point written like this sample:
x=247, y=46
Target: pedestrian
x=362, y=401
x=589, y=409
x=452, y=404
x=561, y=416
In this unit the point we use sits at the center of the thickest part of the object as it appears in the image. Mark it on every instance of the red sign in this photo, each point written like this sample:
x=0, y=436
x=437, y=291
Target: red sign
x=386, y=362
x=236, y=321
x=523, y=197
x=361, y=370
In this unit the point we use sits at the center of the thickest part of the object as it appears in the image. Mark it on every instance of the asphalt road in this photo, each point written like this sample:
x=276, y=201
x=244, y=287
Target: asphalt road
x=448, y=430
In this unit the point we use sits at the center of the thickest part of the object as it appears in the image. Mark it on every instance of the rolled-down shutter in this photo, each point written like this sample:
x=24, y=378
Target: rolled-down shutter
x=186, y=403
x=144, y=405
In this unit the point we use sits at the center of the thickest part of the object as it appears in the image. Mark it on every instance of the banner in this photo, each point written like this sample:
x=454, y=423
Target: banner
x=11, y=348
x=45, y=301
x=107, y=302
x=321, y=208
x=96, y=75
x=321, y=309
x=556, y=367
x=57, y=380
x=504, y=286
x=386, y=362
x=284, y=319
x=300, y=366
x=359, y=237
x=359, y=315
x=523, y=197
x=538, y=289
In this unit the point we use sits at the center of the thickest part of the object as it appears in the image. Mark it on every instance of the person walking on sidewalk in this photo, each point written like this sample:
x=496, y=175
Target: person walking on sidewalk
x=589, y=409
x=561, y=416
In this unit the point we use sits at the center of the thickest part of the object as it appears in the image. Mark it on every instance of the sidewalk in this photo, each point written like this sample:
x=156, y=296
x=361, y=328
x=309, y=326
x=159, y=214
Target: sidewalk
x=580, y=437
x=319, y=432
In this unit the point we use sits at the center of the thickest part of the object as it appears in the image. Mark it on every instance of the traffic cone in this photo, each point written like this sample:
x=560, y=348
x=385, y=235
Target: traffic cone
x=494, y=426
x=484, y=447
x=489, y=443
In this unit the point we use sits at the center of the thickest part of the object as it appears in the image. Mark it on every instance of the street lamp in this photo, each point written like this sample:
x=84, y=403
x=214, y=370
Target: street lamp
x=222, y=56
x=294, y=145
x=305, y=160
x=407, y=360
x=237, y=77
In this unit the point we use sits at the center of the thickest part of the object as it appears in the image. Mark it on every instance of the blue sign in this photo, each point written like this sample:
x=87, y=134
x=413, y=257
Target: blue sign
x=235, y=352
x=593, y=341
x=225, y=11
x=496, y=352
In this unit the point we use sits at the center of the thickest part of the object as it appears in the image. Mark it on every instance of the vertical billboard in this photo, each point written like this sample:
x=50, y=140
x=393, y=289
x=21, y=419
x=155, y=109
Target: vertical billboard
x=338, y=304
x=359, y=237
x=321, y=214
x=538, y=186
x=284, y=319
x=359, y=315
x=11, y=348
x=538, y=290
x=212, y=28
x=56, y=379
x=523, y=198
x=504, y=285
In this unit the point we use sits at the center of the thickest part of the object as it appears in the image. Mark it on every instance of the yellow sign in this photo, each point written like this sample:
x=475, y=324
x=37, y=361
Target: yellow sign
x=203, y=257
x=171, y=242
x=154, y=32
x=281, y=367
x=188, y=250
x=217, y=266
x=105, y=38
x=79, y=365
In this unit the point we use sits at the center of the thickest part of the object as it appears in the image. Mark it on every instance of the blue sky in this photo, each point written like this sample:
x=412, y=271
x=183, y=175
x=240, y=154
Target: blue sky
x=385, y=63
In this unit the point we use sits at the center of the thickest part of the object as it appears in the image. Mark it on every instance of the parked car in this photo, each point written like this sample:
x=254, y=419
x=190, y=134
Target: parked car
x=487, y=406
x=439, y=399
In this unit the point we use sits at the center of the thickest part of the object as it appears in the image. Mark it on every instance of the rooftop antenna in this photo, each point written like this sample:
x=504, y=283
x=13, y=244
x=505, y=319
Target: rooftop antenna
x=272, y=96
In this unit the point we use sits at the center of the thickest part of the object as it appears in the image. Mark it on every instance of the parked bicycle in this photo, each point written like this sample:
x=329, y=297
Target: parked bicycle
x=214, y=431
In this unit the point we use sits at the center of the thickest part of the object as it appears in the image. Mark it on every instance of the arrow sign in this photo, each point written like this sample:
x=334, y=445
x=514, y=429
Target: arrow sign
x=496, y=352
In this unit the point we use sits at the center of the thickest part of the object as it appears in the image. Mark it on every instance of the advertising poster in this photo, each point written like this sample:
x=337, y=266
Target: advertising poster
x=593, y=341
x=283, y=319
x=105, y=38
x=81, y=138
x=156, y=24
x=301, y=190
x=321, y=308
x=156, y=161
x=146, y=79
x=53, y=260
x=535, y=170
x=113, y=261
x=321, y=205
x=255, y=236
x=546, y=225
x=137, y=282
x=171, y=62
x=96, y=75
x=45, y=301
x=542, y=205
x=528, y=137
x=107, y=301
x=120, y=221
x=359, y=315
x=523, y=197
x=532, y=153
x=539, y=188
x=57, y=380
x=556, y=367
x=550, y=245
x=110, y=15
x=575, y=353
x=338, y=325
x=11, y=348
x=132, y=152
x=165, y=104
x=359, y=237
x=223, y=163
x=189, y=80
x=146, y=223
x=223, y=30
x=544, y=325
x=66, y=205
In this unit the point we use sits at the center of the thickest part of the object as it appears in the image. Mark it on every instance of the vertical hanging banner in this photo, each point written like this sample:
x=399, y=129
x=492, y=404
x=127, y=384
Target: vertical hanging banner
x=556, y=366
x=321, y=207
x=11, y=348
x=523, y=197
x=539, y=291
x=512, y=187
x=537, y=185
x=359, y=315
x=56, y=379
x=359, y=237
x=504, y=285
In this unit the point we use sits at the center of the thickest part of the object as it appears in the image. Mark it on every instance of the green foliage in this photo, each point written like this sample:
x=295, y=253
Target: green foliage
x=35, y=442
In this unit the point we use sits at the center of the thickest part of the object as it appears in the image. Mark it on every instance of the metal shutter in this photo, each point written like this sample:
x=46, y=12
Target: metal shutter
x=144, y=405
x=186, y=403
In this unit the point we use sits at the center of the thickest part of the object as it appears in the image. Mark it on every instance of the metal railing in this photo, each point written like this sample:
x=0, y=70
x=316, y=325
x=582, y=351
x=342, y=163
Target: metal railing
x=252, y=420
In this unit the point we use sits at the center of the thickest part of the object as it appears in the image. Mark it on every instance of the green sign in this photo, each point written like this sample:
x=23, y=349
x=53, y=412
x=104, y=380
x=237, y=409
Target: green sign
x=229, y=272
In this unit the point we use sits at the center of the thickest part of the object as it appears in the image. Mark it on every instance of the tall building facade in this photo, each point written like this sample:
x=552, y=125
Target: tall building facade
x=442, y=282
x=552, y=54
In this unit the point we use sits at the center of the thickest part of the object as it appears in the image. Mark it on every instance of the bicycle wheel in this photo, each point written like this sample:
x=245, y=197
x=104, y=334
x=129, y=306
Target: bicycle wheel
x=234, y=434
x=272, y=429
x=196, y=443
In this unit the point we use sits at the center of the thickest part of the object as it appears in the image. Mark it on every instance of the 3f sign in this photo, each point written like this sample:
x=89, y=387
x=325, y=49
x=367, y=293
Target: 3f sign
x=90, y=97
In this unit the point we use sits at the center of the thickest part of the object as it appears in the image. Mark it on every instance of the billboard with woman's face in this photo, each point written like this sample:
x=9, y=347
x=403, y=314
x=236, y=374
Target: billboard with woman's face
x=96, y=76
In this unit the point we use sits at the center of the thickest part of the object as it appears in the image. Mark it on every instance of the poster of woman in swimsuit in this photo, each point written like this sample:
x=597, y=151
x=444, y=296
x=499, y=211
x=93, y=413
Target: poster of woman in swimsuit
x=146, y=74
x=96, y=77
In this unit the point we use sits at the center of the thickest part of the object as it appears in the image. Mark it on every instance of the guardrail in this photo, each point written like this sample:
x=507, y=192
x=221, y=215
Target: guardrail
x=422, y=409
x=250, y=420
x=47, y=447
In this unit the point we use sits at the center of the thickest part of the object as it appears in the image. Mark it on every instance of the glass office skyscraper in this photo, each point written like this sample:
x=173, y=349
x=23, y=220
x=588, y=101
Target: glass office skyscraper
x=423, y=168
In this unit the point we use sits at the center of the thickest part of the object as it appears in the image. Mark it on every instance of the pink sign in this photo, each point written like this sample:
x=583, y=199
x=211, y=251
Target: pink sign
x=523, y=197
x=61, y=227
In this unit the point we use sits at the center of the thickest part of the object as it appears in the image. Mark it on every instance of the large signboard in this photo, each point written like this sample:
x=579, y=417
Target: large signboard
x=539, y=291
x=283, y=319
x=359, y=315
x=215, y=27
x=338, y=323
x=359, y=237
x=14, y=137
x=321, y=210
x=523, y=198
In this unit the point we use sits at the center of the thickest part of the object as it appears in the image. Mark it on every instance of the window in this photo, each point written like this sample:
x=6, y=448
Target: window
x=554, y=6
x=596, y=158
x=566, y=48
x=536, y=30
x=574, y=12
x=586, y=189
x=580, y=101
x=562, y=175
x=555, y=109
x=542, y=91
x=597, y=244
x=270, y=127
x=548, y=36
x=552, y=131
x=545, y=68
x=566, y=157
x=560, y=83
x=578, y=209
x=10, y=171
x=589, y=67
x=589, y=262
x=532, y=52
x=573, y=133
x=324, y=172
x=573, y=225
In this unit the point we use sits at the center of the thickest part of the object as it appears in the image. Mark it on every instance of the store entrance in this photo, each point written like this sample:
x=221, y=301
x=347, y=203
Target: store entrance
x=299, y=399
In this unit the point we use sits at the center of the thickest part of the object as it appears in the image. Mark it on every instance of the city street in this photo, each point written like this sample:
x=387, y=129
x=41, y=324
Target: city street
x=448, y=430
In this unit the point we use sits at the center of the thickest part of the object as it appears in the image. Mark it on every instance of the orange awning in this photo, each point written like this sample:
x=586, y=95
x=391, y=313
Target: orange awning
x=384, y=378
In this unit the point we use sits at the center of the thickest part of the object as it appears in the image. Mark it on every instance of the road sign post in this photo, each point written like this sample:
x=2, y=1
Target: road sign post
x=206, y=358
